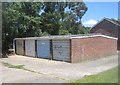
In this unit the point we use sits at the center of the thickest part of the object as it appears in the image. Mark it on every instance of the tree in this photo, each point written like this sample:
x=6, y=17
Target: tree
x=24, y=19
x=20, y=20
x=55, y=18
x=53, y=12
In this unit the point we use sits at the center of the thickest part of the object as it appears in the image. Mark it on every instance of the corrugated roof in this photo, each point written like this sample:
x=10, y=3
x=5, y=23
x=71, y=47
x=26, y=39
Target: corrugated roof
x=65, y=36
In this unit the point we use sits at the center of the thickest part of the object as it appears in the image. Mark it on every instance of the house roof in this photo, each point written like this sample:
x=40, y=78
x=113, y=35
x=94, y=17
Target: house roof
x=113, y=21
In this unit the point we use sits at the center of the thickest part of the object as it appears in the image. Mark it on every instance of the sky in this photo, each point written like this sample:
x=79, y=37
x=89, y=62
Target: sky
x=99, y=10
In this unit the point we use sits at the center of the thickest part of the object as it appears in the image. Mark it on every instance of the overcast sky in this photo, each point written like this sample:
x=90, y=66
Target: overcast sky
x=99, y=10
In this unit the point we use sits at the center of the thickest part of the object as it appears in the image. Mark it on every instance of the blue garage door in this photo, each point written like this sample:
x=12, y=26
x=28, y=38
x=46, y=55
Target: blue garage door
x=43, y=49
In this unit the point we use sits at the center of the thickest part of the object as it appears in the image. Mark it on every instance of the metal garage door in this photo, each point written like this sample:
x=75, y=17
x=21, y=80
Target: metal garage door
x=30, y=48
x=43, y=49
x=19, y=47
x=61, y=50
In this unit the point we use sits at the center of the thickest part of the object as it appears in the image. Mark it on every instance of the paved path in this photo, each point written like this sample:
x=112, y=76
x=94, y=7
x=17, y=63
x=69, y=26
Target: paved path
x=55, y=70
x=11, y=75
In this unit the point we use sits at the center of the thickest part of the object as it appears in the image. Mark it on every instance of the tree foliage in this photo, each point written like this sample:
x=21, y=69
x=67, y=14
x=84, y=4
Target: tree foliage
x=63, y=16
x=29, y=19
x=20, y=20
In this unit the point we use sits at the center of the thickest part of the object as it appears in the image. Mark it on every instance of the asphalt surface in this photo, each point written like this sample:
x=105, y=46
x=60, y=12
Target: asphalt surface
x=11, y=75
x=47, y=71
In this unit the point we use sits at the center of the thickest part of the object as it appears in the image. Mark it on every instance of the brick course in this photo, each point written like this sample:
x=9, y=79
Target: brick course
x=91, y=48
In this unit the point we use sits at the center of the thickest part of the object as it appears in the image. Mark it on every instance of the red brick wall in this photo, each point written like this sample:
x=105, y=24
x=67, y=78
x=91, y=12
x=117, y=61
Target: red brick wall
x=91, y=48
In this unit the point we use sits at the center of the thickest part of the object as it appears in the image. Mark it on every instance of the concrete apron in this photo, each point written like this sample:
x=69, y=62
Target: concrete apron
x=62, y=70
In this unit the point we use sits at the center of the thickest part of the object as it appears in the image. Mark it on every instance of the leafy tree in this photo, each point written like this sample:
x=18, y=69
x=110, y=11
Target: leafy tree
x=53, y=12
x=29, y=19
x=87, y=30
x=64, y=32
x=20, y=20
x=57, y=19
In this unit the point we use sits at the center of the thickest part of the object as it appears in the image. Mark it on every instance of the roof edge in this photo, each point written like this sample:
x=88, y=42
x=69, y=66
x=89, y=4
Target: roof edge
x=98, y=23
x=70, y=37
x=100, y=35
x=101, y=21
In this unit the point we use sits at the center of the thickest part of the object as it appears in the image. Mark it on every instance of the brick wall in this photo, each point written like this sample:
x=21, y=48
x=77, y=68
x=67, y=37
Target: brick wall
x=91, y=48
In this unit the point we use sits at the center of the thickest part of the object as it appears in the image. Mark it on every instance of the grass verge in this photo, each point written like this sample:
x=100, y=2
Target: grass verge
x=109, y=76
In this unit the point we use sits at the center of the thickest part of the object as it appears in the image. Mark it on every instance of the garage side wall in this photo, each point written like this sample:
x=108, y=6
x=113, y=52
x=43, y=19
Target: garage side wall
x=92, y=48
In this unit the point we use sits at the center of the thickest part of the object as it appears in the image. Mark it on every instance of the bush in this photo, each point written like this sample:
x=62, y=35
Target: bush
x=64, y=32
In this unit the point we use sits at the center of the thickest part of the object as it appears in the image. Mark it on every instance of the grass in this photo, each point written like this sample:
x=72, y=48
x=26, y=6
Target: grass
x=109, y=76
x=16, y=67
x=12, y=66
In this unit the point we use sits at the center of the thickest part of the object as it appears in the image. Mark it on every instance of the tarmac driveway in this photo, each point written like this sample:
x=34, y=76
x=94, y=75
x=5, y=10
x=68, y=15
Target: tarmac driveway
x=62, y=71
x=11, y=75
